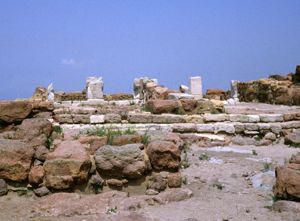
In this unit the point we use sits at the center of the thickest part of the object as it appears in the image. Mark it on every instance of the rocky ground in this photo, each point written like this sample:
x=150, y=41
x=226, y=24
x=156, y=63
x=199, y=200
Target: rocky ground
x=226, y=183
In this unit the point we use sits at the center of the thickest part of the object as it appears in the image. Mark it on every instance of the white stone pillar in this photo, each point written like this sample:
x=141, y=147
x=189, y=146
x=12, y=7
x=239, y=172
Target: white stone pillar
x=234, y=89
x=196, y=86
x=94, y=88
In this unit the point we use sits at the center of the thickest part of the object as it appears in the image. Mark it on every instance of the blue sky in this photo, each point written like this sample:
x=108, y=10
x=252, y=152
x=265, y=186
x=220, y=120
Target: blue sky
x=65, y=41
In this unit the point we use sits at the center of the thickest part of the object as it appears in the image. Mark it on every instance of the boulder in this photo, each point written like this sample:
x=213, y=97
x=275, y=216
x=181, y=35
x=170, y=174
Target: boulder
x=34, y=131
x=40, y=93
x=174, y=180
x=36, y=175
x=162, y=106
x=158, y=182
x=127, y=161
x=287, y=182
x=292, y=139
x=41, y=153
x=67, y=165
x=93, y=143
x=3, y=187
x=14, y=111
x=15, y=159
x=41, y=191
x=188, y=104
x=216, y=94
x=163, y=155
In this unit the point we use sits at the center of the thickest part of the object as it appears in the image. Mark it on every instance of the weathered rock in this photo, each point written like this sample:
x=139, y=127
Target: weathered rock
x=40, y=93
x=126, y=139
x=270, y=136
x=112, y=118
x=171, y=137
x=97, y=119
x=163, y=106
x=174, y=180
x=36, y=175
x=168, y=119
x=115, y=183
x=179, y=96
x=216, y=94
x=3, y=187
x=41, y=153
x=95, y=184
x=215, y=117
x=117, y=97
x=287, y=182
x=14, y=111
x=287, y=206
x=34, y=131
x=93, y=143
x=127, y=161
x=292, y=139
x=163, y=155
x=209, y=106
x=158, y=182
x=188, y=104
x=70, y=96
x=139, y=117
x=41, y=191
x=68, y=164
x=15, y=159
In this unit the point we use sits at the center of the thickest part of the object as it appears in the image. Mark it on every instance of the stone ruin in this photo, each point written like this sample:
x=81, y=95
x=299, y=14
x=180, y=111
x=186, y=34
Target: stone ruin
x=93, y=142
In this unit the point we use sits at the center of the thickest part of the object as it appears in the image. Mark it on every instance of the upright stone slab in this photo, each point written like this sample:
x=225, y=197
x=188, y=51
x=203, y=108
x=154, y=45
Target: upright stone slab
x=234, y=89
x=196, y=86
x=94, y=86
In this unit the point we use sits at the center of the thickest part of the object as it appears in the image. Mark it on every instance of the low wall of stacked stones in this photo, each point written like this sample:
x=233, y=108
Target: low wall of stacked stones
x=237, y=129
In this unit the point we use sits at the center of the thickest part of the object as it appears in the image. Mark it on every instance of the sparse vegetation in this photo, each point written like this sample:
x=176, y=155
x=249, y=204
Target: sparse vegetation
x=146, y=138
x=204, y=156
x=49, y=142
x=112, y=210
x=267, y=166
x=185, y=161
x=57, y=129
x=254, y=152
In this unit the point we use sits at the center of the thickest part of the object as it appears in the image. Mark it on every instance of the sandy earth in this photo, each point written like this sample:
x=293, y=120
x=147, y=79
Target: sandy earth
x=222, y=190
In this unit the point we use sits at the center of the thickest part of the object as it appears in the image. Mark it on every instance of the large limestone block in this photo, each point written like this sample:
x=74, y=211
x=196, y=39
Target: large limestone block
x=68, y=164
x=287, y=182
x=127, y=161
x=14, y=111
x=164, y=155
x=162, y=106
x=15, y=159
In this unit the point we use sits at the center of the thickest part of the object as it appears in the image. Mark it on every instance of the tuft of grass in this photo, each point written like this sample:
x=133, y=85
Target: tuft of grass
x=49, y=142
x=112, y=210
x=267, y=166
x=146, y=138
x=184, y=180
x=129, y=131
x=185, y=161
x=57, y=129
x=204, y=156
x=98, y=131
x=254, y=152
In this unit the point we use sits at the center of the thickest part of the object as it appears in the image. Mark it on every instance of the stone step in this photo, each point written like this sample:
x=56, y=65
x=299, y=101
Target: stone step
x=249, y=129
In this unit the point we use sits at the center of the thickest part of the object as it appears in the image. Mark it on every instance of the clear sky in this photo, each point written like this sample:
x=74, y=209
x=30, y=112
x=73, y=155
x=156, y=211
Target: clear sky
x=65, y=41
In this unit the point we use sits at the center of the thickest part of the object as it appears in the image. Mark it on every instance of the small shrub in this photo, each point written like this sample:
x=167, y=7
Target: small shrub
x=112, y=210
x=98, y=131
x=57, y=129
x=204, y=156
x=49, y=142
x=267, y=166
x=254, y=152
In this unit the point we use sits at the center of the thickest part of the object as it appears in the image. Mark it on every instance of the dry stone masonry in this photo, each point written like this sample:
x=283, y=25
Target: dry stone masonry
x=93, y=142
